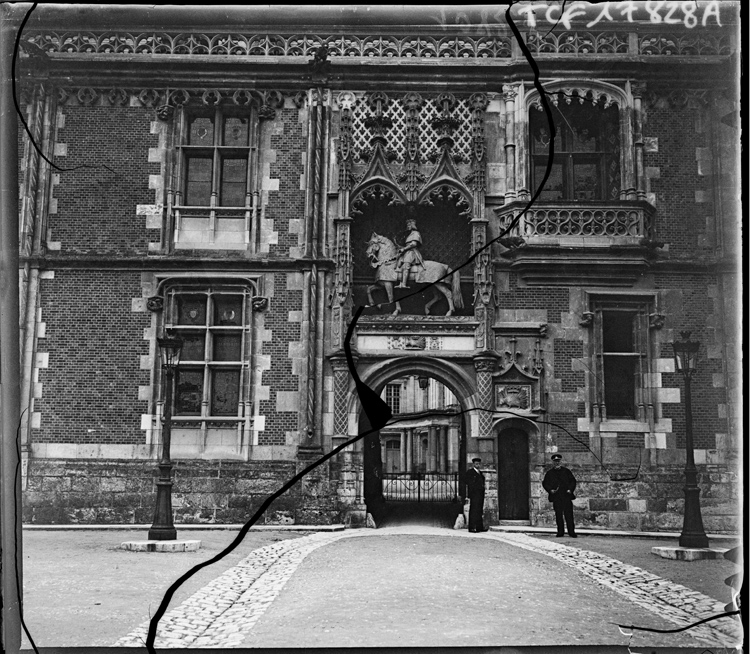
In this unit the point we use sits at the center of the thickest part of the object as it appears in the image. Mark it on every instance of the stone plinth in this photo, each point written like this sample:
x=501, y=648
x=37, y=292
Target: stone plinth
x=688, y=553
x=161, y=545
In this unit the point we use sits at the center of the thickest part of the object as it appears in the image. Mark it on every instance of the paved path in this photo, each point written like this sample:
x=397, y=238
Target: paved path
x=422, y=586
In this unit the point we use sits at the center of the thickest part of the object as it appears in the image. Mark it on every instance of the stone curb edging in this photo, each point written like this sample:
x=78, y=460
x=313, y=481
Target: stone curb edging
x=196, y=527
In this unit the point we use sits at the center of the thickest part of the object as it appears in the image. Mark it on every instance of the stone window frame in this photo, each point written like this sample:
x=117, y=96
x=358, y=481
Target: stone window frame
x=646, y=410
x=397, y=390
x=200, y=432
x=226, y=227
x=527, y=99
x=568, y=158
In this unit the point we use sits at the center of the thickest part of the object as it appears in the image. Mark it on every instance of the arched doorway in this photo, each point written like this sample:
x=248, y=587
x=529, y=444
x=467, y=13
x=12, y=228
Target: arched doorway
x=513, y=474
x=413, y=468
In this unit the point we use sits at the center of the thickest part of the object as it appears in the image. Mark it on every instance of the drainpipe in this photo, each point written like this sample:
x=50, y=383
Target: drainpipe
x=11, y=583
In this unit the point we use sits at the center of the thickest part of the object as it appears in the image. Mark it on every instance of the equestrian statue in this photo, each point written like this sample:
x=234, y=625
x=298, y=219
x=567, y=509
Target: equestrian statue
x=405, y=264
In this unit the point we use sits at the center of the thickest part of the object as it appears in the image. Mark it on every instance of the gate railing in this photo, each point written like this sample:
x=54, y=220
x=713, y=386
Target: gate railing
x=420, y=486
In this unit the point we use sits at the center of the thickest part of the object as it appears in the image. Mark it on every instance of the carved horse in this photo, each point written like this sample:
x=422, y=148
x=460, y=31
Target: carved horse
x=383, y=256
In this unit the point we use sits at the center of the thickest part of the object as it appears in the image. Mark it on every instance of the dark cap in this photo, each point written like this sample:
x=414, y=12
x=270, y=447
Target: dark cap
x=476, y=459
x=556, y=457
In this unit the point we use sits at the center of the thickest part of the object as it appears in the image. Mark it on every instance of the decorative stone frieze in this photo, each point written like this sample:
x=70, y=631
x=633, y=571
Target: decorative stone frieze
x=110, y=43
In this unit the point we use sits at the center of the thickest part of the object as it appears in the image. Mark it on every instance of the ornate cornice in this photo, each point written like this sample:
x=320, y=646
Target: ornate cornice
x=110, y=43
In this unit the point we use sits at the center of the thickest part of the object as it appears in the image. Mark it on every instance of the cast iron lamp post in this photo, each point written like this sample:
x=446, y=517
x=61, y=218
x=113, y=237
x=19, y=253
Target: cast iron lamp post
x=693, y=534
x=163, y=527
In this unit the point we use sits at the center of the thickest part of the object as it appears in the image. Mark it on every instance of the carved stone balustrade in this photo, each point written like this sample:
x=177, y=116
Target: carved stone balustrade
x=571, y=243
x=580, y=224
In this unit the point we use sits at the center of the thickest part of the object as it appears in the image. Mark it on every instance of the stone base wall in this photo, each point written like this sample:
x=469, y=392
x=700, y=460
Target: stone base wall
x=67, y=491
x=653, y=501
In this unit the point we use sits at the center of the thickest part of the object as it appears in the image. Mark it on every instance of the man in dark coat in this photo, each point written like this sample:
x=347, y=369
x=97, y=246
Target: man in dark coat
x=560, y=483
x=475, y=493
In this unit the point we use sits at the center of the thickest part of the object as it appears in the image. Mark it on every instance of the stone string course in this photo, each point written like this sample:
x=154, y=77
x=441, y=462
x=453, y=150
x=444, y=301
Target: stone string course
x=224, y=611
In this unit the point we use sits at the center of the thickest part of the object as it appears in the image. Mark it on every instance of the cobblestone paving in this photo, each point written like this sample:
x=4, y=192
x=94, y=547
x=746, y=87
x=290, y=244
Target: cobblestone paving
x=676, y=603
x=225, y=610
x=232, y=603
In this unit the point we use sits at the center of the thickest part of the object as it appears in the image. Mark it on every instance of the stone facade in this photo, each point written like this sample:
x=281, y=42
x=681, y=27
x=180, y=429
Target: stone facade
x=335, y=149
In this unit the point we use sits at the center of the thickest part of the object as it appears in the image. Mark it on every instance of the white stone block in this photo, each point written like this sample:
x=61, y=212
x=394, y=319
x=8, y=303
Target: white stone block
x=288, y=401
x=664, y=365
x=138, y=305
x=583, y=424
x=259, y=423
x=700, y=196
x=294, y=281
x=146, y=421
x=36, y=420
x=156, y=155
x=637, y=506
x=42, y=360
x=146, y=362
x=37, y=390
x=47, y=274
x=700, y=457
x=269, y=184
x=295, y=316
x=718, y=379
x=61, y=149
x=144, y=393
x=296, y=350
x=54, y=245
x=156, y=182
x=41, y=330
x=668, y=395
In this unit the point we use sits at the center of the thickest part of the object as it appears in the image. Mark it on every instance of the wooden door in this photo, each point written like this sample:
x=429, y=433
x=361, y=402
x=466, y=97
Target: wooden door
x=513, y=474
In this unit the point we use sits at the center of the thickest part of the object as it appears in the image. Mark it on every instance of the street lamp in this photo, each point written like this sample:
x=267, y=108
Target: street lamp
x=163, y=527
x=693, y=534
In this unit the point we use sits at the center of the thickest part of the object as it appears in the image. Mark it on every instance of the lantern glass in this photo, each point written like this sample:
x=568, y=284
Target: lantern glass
x=686, y=354
x=424, y=382
x=169, y=349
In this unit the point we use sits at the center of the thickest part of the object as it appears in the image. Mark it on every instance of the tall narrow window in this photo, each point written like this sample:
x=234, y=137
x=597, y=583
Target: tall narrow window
x=622, y=358
x=393, y=397
x=214, y=195
x=586, y=164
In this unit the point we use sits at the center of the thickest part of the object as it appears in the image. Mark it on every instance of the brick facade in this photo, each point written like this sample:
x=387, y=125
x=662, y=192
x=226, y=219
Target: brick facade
x=106, y=246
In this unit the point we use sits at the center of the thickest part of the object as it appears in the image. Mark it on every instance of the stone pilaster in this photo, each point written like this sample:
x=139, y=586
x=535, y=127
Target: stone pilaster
x=485, y=365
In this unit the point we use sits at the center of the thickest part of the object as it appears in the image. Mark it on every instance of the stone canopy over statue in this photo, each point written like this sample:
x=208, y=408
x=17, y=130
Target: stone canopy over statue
x=405, y=265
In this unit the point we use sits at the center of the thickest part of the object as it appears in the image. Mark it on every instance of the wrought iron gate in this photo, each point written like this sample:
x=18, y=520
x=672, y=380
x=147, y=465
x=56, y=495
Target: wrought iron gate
x=420, y=486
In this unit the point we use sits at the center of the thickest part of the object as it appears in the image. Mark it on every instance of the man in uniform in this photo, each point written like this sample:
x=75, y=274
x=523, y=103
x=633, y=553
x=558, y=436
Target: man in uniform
x=560, y=483
x=475, y=493
x=409, y=255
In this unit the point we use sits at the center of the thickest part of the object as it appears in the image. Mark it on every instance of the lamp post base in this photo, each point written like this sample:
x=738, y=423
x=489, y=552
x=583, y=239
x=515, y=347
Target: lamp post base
x=163, y=526
x=162, y=533
x=693, y=534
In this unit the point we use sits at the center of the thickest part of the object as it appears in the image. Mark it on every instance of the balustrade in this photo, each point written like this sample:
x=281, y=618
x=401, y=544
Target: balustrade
x=600, y=221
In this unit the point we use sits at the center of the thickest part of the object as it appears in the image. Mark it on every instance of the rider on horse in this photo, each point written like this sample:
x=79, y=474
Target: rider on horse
x=409, y=255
